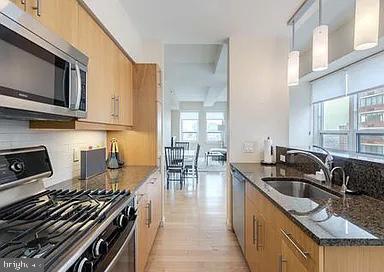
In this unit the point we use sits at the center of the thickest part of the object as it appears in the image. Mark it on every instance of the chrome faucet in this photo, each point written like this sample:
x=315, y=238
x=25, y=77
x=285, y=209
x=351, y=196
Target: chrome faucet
x=328, y=159
x=323, y=166
x=345, y=179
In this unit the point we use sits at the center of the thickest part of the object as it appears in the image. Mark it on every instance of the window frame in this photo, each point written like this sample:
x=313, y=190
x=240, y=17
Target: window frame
x=207, y=131
x=354, y=131
x=182, y=132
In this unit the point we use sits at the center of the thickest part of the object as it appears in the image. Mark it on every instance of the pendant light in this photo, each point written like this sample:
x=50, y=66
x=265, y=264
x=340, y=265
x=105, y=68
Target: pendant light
x=367, y=14
x=293, y=61
x=320, y=45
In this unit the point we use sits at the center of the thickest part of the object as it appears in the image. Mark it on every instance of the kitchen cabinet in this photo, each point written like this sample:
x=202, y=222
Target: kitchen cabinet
x=273, y=241
x=149, y=217
x=60, y=16
x=20, y=3
x=110, y=71
x=289, y=261
x=142, y=146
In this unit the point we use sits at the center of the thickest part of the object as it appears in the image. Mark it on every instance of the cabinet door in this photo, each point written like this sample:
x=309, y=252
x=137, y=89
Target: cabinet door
x=254, y=236
x=20, y=3
x=142, y=232
x=289, y=261
x=94, y=43
x=61, y=16
x=125, y=91
x=154, y=192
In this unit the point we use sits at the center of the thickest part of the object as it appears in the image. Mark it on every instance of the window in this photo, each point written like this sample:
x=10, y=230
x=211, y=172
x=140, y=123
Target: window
x=351, y=123
x=189, y=124
x=215, y=126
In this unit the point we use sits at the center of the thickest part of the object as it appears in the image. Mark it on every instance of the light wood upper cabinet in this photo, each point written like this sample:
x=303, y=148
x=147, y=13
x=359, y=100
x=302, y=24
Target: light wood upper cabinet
x=110, y=71
x=93, y=42
x=125, y=91
x=20, y=3
x=61, y=16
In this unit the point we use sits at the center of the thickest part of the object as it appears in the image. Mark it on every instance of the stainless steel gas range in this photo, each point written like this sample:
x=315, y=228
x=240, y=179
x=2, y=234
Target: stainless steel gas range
x=87, y=230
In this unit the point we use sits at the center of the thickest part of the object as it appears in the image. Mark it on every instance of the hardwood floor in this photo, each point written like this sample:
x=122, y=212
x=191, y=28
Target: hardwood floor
x=195, y=237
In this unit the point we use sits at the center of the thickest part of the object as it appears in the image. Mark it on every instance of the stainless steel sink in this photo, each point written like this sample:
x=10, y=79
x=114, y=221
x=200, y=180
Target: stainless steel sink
x=300, y=189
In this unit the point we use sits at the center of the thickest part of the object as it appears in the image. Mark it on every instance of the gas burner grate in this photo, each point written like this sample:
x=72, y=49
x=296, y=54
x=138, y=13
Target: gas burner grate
x=44, y=225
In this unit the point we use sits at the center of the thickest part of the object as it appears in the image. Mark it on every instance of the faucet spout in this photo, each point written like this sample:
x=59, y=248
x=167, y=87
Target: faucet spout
x=323, y=166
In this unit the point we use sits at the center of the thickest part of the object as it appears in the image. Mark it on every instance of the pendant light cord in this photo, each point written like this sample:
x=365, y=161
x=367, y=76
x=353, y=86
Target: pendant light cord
x=320, y=12
x=293, y=36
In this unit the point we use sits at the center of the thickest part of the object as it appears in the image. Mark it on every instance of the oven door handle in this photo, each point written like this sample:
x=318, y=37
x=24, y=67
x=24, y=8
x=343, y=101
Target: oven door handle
x=120, y=252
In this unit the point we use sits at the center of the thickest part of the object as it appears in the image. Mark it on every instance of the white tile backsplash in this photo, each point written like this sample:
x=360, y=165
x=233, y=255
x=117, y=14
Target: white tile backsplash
x=60, y=144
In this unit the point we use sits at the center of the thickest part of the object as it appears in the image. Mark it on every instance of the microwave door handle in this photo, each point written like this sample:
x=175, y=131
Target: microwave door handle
x=78, y=86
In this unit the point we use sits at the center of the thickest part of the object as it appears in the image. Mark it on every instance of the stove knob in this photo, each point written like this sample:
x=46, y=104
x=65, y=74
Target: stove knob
x=129, y=211
x=84, y=265
x=17, y=167
x=100, y=247
x=121, y=221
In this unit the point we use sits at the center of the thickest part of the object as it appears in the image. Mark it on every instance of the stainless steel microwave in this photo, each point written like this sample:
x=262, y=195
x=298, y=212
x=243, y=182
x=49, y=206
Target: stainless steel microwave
x=41, y=75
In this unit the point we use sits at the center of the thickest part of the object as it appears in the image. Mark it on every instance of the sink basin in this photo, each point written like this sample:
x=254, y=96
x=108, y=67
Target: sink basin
x=299, y=189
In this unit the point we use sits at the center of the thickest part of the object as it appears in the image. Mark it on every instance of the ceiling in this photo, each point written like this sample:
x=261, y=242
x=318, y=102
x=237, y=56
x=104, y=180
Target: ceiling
x=196, y=73
x=209, y=21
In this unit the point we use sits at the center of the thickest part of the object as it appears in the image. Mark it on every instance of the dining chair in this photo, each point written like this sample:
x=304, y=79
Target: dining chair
x=192, y=168
x=174, y=162
x=182, y=144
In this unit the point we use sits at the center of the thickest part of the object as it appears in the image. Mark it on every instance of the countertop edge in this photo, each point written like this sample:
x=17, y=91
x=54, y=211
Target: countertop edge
x=319, y=241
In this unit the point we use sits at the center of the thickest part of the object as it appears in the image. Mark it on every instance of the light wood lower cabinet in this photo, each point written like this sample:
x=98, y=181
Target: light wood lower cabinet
x=289, y=260
x=274, y=243
x=149, y=217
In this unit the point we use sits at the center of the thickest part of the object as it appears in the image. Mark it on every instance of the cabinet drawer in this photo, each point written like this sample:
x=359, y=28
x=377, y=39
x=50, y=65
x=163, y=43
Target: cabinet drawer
x=254, y=196
x=304, y=248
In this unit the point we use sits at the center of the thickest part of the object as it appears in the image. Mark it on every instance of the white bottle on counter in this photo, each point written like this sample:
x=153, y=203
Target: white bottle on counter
x=268, y=150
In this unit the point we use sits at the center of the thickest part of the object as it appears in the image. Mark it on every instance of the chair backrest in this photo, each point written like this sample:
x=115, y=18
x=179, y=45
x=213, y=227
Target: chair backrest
x=182, y=144
x=174, y=157
x=197, y=154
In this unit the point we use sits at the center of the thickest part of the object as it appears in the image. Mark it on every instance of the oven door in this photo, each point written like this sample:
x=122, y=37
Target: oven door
x=124, y=259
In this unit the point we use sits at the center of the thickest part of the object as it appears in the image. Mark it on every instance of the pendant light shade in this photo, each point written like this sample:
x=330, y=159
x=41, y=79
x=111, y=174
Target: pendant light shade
x=320, y=48
x=293, y=62
x=293, y=68
x=366, y=24
x=320, y=45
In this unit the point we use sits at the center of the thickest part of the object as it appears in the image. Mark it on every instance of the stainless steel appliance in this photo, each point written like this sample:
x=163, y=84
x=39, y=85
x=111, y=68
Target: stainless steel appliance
x=41, y=75
x=238, y=205
x=70, y=230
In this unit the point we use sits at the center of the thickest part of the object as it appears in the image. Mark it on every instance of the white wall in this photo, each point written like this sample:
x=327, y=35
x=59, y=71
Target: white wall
x=300, y=116
x=60, y=144
x=258, y=96
x=114, y=17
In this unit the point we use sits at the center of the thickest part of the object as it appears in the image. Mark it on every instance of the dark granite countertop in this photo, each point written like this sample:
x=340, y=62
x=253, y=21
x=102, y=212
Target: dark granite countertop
x=126, y=178
x=346, y=221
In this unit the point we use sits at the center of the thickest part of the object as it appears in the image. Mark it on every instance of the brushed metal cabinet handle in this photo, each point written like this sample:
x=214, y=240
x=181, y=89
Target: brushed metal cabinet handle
x=254, y=230
x=258, y=244
x=37, y=7
x=299, y=249
x=283, y=263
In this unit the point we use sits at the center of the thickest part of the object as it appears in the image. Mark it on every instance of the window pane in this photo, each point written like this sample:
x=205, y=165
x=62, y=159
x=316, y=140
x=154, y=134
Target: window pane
x=189, y=136
x=336, y=114
x=215, y=115
x=335, y=141
x=214, y=125
x=371, y=109
x=189, y=125
x=189, y=115
x=214, y=137
x=371, y=144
